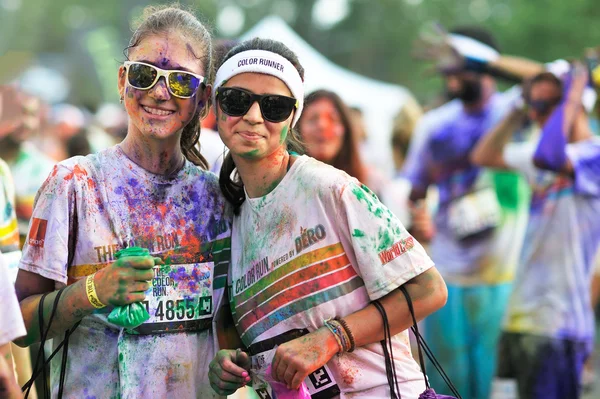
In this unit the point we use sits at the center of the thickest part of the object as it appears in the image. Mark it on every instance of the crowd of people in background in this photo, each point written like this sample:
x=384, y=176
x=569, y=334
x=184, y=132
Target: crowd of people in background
x=501, y=189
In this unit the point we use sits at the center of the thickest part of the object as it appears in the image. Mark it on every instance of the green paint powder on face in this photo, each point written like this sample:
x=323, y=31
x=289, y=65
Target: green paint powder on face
x=358, y=233
x=121, y=357
x=250, y=154
x=283, y=134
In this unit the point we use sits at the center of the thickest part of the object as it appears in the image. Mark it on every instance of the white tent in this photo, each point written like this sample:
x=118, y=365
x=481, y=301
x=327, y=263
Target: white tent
x=379, y=101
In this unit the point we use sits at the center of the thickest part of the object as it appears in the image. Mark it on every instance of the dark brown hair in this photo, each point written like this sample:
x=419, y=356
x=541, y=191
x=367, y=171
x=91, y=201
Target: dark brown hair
x=348, y=159
x=158, y=20
x=229, y=180
x=541, y=77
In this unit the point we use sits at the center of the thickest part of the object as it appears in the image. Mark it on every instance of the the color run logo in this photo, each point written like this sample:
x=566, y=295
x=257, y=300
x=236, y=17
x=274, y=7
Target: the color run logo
x=396, y=250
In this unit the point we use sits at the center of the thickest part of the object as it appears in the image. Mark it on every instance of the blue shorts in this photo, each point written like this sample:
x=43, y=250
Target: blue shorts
x=543, y=367
x=463, y=336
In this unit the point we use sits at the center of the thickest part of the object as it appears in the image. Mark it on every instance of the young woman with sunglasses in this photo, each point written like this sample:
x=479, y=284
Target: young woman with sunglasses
x=149, y=191
x=311, y=248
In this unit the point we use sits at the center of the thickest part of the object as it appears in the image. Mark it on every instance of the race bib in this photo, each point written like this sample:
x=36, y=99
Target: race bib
x=318, y=385
x=474, y=213
x=179, y=300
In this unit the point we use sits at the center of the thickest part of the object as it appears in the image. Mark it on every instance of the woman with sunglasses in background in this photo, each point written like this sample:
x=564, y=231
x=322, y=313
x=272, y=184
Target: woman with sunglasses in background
x=311, y=248
x=149, y=191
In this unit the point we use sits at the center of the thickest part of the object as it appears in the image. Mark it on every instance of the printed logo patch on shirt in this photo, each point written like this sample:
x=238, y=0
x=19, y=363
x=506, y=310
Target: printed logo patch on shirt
x=37, y=232
x=399, y=248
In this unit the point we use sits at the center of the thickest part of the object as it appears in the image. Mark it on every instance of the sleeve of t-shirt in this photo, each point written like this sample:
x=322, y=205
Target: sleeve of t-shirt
x=386, y=255
x=519, y=156
x=585, y=158
x=12, y=326
x=46, y=249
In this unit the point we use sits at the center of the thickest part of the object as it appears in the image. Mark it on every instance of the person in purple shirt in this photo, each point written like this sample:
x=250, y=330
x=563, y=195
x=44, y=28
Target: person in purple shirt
x=480, y=221
x=549, y=327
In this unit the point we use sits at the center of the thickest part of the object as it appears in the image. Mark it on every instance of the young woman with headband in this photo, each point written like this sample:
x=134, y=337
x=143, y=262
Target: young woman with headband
x=311, y=249
x=149, y=191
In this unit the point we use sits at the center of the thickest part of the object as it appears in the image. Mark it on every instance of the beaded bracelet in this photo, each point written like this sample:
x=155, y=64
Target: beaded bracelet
x=340, y=334
x=335, y=331
x=348, y=333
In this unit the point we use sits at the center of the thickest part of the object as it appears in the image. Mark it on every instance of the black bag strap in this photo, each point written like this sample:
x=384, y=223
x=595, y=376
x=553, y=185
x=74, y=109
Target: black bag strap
x=388, y=353
x=37, y=370
x=415, y=329
x=422, y=345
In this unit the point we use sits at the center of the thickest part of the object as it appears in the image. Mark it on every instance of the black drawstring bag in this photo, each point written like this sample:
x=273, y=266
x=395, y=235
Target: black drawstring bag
x=37, y=370
x=390, y=368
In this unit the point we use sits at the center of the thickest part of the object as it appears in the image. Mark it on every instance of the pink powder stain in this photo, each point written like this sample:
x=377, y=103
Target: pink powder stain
x=349, y=370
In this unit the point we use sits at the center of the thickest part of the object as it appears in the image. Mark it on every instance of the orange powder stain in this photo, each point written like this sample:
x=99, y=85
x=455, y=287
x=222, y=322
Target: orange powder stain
x=91, y=184
x=162, y=208
x=78, y=172
x=349, y=371
x=169, y=376
x=348, y=375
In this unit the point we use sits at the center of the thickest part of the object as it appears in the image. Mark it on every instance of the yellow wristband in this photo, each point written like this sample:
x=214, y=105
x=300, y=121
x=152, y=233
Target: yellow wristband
x=90, y=290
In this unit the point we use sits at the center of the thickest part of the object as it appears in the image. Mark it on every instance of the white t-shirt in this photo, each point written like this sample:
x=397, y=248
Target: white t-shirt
x=12, y=326
x=9, y=232
x=321, y=246
x=88, y=209
x=551, y=294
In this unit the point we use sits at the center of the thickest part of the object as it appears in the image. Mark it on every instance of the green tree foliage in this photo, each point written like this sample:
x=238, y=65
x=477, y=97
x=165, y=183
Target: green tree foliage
x=375, y=39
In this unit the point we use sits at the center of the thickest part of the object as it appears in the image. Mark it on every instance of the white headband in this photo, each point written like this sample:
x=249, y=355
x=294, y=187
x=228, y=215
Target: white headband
x=266, y=62
x=472, y=48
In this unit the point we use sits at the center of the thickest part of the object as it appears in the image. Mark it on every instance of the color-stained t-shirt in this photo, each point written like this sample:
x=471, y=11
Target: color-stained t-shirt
x=29, y=171
x=9, y=234
x=88, y=209
x=320, y=246
x=9, y=231
x=12, y=326
x=551, y=294
x=442, y=159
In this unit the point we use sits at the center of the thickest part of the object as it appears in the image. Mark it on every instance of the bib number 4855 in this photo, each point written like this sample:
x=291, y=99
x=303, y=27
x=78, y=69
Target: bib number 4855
x=182, y=309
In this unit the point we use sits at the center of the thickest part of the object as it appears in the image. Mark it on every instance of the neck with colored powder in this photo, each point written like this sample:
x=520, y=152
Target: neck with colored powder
x=261, y=176
x=158, y=157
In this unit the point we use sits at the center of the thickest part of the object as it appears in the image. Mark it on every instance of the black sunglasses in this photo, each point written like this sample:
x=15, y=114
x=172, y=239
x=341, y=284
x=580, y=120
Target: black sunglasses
x=144, y=76
x=273, y=107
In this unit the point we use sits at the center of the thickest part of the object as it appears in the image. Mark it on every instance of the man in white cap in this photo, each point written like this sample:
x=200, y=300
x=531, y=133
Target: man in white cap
x=481, y=218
